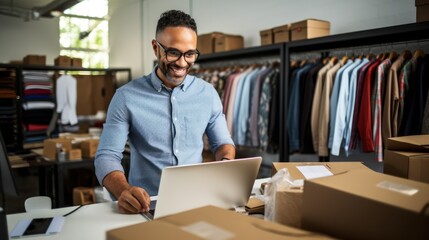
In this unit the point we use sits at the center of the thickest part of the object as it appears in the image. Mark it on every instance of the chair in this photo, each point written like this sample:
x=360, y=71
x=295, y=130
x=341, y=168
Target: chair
x=37, y=203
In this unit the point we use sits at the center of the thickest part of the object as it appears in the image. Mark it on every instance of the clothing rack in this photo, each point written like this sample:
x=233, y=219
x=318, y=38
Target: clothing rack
x=19, y=69
x=248, y=56
x=388, y=36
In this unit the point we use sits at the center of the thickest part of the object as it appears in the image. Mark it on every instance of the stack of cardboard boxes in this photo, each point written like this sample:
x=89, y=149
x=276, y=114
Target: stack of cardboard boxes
x=351, y=202
x=306, y=29
x=75, y=147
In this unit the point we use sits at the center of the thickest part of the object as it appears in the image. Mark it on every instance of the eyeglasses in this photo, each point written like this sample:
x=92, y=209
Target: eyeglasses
x=173, y=54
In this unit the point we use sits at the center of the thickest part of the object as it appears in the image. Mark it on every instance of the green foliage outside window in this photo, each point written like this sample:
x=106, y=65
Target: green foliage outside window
x=84, y=33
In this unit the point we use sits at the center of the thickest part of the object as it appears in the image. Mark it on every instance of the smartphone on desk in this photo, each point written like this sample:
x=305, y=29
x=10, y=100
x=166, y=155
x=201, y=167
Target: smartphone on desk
x=37, y=226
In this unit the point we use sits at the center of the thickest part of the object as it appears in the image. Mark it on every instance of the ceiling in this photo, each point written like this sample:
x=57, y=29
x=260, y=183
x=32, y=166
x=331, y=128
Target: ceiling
x=28, y=4
x=34, y=9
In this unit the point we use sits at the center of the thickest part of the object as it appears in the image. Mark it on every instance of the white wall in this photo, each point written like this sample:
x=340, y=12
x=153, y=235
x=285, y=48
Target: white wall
x=248, y=17
x=133, y=23
x=19, y=38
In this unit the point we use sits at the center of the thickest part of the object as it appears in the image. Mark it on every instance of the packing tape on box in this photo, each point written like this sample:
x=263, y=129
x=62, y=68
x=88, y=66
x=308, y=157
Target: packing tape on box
x=288, y=207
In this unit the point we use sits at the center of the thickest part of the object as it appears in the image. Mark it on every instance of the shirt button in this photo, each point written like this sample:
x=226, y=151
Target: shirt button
x=174, y=98
x=175, y=119
x=177, y=150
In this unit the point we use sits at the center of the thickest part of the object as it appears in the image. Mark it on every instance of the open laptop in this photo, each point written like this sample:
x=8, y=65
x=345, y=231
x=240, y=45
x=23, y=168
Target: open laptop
x=225, y=184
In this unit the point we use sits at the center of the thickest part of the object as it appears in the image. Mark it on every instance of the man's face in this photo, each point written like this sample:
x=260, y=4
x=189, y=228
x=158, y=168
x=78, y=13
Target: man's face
x=177, y=40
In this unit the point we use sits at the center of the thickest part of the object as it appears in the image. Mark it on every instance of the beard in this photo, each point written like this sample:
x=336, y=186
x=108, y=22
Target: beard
x=174, y=73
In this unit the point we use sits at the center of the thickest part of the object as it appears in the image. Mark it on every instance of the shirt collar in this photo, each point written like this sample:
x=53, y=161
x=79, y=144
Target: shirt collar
x=158, y=84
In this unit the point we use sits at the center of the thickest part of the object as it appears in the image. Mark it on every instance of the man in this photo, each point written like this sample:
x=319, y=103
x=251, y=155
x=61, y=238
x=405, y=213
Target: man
x=163, y=116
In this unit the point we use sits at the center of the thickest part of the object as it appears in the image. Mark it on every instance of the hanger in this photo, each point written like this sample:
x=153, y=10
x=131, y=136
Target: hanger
x=418, y=54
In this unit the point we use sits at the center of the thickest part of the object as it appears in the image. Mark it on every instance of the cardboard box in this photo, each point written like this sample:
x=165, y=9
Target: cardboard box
x=62, y=61
x=206, y=42
x=50, y=147
x=408, y=157
x=84, y=95
x=411, y=165
x=334, y=167
x=422, y=10
x=218, y=42
x=34, y=60
x=281, y=33
x=227, y=42
x=362, y=204
x=309, y=28
x=76, y=62
x=267, y=37
x=414, y=143
x=89, y=148
x=288, y=203
x=83, y=196
x=210, y=223
x=74, y=154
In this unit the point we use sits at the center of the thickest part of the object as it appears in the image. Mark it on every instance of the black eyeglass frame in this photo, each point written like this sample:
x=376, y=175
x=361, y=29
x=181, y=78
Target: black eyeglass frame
x=166, y=50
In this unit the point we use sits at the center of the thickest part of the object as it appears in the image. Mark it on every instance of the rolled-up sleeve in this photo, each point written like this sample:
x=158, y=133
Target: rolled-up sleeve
x=113, y=138
x=217, y=130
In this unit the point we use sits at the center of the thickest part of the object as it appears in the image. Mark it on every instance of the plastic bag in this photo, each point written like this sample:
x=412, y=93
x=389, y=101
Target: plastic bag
x=280, y=181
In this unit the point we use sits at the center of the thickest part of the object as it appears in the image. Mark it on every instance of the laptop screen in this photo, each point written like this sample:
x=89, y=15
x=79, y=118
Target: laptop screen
x=225, y=184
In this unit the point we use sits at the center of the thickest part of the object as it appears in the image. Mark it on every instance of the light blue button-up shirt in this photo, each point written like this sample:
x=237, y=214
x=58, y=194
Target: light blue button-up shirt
x=164, y=127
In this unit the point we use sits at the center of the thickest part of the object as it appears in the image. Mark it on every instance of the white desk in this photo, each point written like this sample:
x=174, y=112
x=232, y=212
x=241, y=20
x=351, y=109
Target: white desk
x=90, y=221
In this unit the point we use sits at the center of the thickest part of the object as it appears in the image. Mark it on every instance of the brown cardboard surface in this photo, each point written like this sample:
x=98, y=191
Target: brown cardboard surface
x=422, y=13
x=411, y=165
x=84, y=95
x=102, y=92
x=206, y=42
x=228, y=42
x=35, y=60
x=74, y=154
x=219, y=223
x=76, y=62
x=89, y=148
x=334, y=167
x=409, y=143
x=50, y=147
x=421, y=2
x=361, y=204
x=63, y=61
x=267, y=37
x=309, y=28
x=281, y=33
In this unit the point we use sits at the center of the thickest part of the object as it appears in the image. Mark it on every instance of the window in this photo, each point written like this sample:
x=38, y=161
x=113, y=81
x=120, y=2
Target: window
x=84, y=33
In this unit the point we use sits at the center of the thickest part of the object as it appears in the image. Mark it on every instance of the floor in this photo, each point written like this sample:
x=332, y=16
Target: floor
x=27, y=178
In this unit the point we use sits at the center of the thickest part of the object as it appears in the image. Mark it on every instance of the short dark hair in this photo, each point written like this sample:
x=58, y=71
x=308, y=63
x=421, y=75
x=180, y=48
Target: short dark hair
x=175, y=18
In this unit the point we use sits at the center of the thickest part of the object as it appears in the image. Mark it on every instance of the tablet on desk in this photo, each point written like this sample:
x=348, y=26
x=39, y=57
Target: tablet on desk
x=37, y=226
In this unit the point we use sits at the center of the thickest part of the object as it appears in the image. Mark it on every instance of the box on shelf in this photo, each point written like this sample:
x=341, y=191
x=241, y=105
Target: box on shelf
x=62, y=61
x=74, y=154
x=210, y=222
x=281, y=33
x=228, y=42
x=362, y=204
x=289, y=201
x=408, y=157
x=422, y=10
x=34, y=60
x=76, y=62
x=309, y=28
x=267, y=37
x=218, y=42
x=206, y=42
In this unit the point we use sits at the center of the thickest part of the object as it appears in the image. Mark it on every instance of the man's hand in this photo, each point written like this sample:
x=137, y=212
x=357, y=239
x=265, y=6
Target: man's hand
x=133, y=200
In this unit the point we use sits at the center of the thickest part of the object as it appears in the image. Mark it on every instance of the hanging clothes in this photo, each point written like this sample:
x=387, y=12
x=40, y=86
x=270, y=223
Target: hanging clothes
x=66, y=94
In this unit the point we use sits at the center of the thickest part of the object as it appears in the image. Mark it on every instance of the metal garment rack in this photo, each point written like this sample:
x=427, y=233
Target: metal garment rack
x=19, y=68
x=256, y=54
x=382, y=36
x=386, y=35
